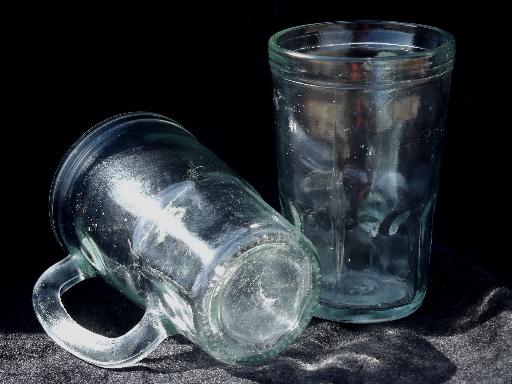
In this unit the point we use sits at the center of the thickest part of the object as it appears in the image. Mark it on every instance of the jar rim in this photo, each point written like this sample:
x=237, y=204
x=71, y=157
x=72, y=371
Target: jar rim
x=448, y=43
x=81, y=149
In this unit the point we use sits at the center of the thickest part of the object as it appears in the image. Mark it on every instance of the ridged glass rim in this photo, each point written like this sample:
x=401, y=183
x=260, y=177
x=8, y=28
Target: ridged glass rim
x=99, y=128
x=447, y=46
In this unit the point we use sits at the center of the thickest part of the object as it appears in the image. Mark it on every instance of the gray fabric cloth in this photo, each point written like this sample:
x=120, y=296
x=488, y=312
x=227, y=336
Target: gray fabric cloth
x=461, y=334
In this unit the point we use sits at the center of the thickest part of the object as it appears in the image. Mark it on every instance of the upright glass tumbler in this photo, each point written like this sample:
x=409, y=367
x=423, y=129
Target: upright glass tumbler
x=141, y=203
x=360, y=112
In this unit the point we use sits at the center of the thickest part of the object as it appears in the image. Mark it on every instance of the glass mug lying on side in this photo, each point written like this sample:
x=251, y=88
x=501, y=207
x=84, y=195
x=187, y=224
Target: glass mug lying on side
x=141, y=203
x=360, y=110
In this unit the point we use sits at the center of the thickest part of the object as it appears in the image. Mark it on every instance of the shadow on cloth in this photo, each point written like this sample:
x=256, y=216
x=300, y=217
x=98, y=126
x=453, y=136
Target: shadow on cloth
x=328, y=353
x=460, y=297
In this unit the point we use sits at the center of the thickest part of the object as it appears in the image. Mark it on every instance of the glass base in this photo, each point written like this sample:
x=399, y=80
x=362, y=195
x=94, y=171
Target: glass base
x=368, y=315
x=260, y=302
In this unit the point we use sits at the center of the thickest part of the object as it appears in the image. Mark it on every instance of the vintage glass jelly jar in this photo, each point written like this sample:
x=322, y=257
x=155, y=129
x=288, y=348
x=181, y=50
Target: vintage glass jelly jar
x=360, y=112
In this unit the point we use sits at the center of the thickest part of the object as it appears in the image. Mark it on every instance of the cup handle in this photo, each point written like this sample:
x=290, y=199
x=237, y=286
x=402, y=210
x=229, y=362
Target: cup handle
x=103, y=351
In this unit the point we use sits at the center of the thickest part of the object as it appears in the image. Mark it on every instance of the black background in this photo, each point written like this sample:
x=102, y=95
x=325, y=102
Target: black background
x=206, y=67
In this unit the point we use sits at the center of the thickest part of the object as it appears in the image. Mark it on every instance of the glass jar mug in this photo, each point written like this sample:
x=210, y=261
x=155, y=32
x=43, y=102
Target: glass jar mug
x=360, y=111
x=141, y=203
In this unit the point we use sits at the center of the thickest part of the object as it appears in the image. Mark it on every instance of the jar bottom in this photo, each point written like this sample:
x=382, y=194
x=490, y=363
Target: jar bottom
x=365, y=289
x=264, y=301
x=369, y=315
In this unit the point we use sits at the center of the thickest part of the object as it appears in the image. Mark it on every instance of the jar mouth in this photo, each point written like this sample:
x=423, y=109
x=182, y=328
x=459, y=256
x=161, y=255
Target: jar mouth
x=85, y=150
x=362, y=50
x=444, y=41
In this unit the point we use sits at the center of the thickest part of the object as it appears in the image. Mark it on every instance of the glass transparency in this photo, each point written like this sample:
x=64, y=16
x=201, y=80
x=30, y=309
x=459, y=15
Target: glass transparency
x=360, y=110
x=141, y=203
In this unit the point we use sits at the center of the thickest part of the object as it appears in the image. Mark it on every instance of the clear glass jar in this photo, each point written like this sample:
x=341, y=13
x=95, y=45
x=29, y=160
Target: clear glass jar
x=141, y=203
x=360, y=111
